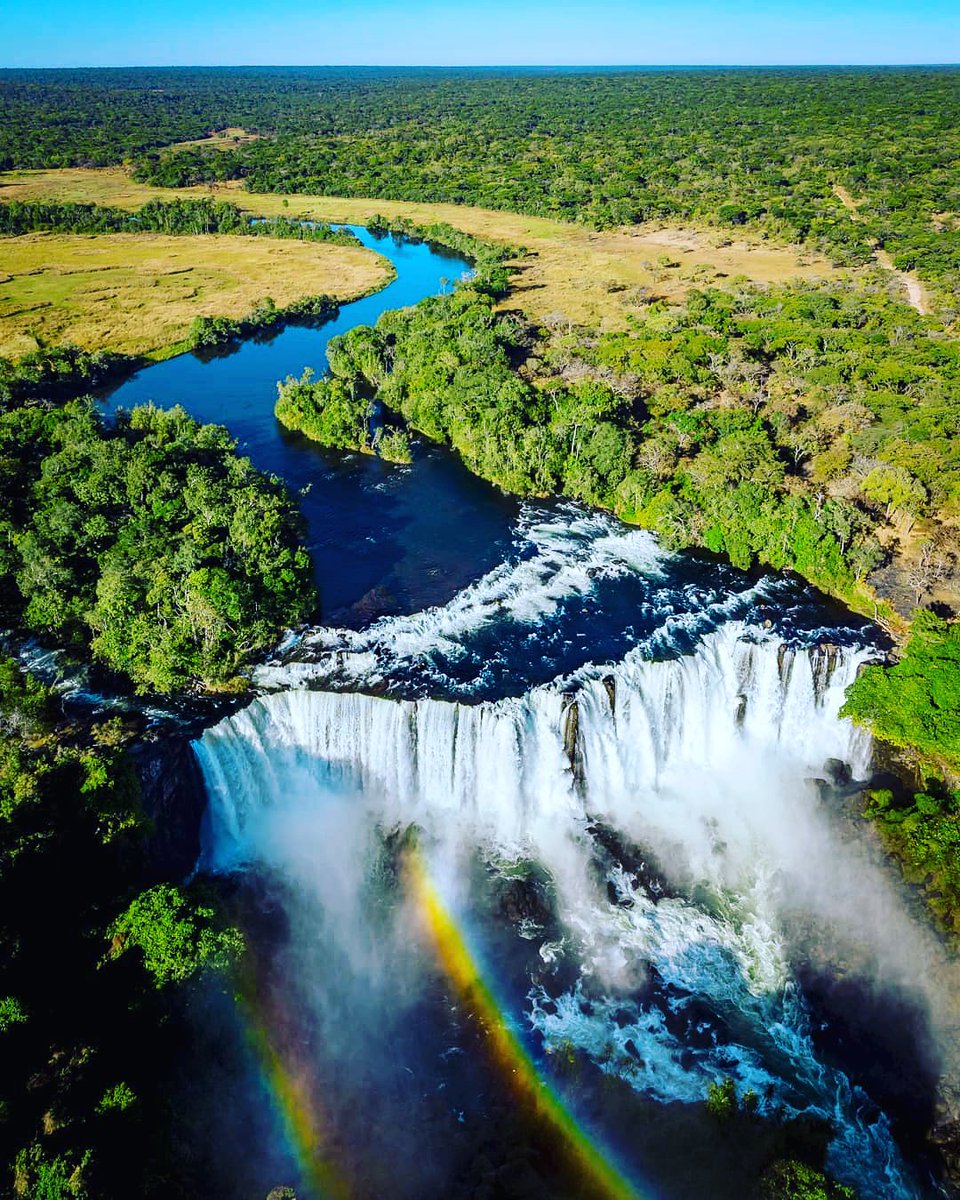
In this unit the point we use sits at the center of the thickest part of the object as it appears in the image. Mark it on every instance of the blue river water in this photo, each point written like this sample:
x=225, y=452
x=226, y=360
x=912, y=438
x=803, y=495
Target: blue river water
x=383, y=538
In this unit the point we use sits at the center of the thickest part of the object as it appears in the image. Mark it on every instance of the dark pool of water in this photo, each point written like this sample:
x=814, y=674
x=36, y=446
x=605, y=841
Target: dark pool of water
x=383, y=538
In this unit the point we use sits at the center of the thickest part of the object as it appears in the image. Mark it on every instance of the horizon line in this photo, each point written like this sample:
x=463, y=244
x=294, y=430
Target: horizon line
x=559, y=66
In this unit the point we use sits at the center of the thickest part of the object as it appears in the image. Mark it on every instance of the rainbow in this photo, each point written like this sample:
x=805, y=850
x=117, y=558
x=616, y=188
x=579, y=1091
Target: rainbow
x=291, y=1090
x=589, y=1170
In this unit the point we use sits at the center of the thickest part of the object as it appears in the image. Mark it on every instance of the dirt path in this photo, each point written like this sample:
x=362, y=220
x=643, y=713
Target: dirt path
x=907, y=279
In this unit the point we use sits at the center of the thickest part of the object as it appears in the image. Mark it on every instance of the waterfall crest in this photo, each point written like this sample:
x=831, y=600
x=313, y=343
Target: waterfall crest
x=593, y=745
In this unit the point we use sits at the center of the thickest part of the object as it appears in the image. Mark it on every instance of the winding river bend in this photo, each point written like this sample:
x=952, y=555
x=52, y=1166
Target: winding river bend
x=381, y=539
x=541, y=834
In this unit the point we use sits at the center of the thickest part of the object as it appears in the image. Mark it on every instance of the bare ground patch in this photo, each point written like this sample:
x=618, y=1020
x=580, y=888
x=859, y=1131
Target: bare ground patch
x=907, y=280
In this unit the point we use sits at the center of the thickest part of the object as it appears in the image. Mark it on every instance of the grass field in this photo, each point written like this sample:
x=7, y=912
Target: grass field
x=138, y=293
x=570, y=271
x=221, y=139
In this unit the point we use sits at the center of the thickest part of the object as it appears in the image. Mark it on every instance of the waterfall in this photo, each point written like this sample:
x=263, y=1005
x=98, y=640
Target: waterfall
x=704, y=761
x=506, y=769
x=644, y=732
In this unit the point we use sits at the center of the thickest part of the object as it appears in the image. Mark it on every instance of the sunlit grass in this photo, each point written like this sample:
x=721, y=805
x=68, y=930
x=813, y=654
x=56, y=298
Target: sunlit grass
x=573, y=272
x=138, y=293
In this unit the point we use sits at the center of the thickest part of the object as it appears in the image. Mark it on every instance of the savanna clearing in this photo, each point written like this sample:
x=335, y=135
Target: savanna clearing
x=138, y=293
x=570, y=271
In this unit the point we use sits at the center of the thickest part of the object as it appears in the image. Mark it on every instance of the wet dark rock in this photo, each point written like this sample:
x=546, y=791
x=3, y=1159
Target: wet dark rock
x=173, y=799
x=838, y=771
x=695, y=1025
x=378, y=602
x=610, y=684
x=945, y=1144
x=616, y=897
x=631, y=1048
x=571, y=735
x=527, y=898
x=823, y=660
x=741, y=711
x=612, y=850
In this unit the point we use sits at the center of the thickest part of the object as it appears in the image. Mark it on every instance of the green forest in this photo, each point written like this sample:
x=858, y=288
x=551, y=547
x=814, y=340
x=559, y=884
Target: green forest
x=605, y=148
x=151, y=547
x=148, y=542
x=188, y=217
x=97, y=972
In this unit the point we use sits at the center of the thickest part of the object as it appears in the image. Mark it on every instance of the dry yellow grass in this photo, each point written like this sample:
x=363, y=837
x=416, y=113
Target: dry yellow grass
x=138, y=293
x=221, y=139
x=585, y=276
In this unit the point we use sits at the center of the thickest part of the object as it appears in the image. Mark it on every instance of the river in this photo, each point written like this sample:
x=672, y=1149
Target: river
x=543, y=832
x=382, y=539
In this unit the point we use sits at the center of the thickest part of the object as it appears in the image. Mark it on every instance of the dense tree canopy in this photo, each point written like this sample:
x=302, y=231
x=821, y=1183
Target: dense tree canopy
x=86, y=1038
x=916, y=703
x=152, y=541
x=197, y=217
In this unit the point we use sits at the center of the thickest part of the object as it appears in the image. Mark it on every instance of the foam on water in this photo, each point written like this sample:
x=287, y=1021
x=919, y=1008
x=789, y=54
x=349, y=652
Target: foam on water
x=693, y=749
x=578, y=587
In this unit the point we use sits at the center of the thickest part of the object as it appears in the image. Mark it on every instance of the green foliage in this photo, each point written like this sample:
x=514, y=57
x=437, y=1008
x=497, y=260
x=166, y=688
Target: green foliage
x=393, y=445
x=793, y=1180
x=87, y=1052
x=57, y=373
x=723, y=1103
x=722, y=1099
x=11, y=1013
x=38, y=769
x=201, y=216
x=40, y=1178
x=447, y=367
x=916, y=702
x=329, y=411
x=808, y=398
x=205, y=332
x=117, y=1098
x=923, y=833
x=177, y=938
x=488, y=274
x=151, y=540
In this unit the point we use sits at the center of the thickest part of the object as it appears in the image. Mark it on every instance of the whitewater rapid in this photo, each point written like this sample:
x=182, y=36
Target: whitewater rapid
x=669, y=793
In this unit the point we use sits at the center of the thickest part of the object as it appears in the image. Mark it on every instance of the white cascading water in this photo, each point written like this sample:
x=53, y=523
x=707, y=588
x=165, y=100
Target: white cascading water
x=704, y=760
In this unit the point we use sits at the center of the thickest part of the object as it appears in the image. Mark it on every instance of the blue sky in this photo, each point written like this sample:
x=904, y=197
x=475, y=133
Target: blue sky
x=107, y=32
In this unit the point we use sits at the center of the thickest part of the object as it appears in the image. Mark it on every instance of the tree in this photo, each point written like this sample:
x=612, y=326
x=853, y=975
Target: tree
x=176, y=938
